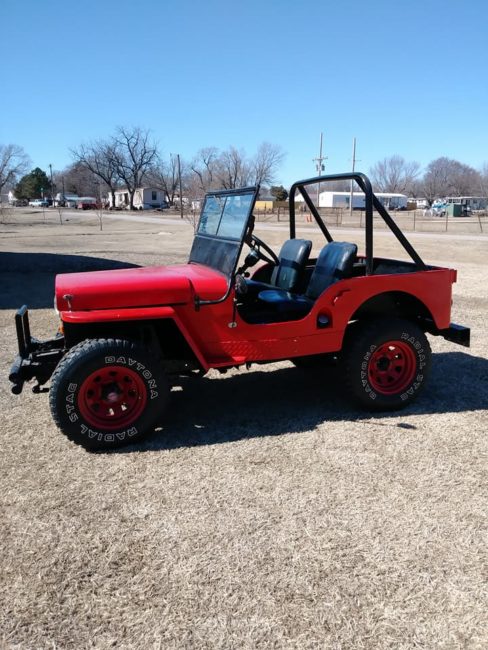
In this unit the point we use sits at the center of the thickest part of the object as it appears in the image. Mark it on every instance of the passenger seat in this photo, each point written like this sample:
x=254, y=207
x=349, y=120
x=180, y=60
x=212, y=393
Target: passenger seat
x=335, y=262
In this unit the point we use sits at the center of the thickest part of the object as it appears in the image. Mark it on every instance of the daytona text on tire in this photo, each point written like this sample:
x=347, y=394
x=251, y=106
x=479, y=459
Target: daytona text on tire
x=107, y=393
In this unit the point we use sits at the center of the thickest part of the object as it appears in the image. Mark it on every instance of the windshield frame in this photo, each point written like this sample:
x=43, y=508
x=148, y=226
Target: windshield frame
x=216, y=243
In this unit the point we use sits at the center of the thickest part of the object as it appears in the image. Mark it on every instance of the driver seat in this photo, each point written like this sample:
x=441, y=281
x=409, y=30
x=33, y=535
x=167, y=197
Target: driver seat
x=288, y=274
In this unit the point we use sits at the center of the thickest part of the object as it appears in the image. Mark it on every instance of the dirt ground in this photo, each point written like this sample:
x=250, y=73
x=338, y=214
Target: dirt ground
x=266, y=512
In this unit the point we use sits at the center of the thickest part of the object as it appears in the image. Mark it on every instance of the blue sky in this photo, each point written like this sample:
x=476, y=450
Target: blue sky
x=407, y=78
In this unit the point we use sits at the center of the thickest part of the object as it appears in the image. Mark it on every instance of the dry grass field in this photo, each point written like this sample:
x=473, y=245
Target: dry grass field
x=265, y=512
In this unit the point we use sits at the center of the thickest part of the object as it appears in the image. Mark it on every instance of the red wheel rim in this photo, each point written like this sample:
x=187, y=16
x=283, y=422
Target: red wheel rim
x=392, y=367
x=112, y=398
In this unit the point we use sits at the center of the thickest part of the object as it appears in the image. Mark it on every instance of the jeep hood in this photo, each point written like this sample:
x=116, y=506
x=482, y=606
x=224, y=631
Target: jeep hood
x=138, y=287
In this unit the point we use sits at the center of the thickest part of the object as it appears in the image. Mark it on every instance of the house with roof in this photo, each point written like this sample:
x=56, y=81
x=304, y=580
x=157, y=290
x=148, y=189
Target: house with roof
x=145, y=198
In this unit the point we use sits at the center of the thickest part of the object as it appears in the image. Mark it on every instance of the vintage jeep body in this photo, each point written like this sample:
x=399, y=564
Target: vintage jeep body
x=125, y=333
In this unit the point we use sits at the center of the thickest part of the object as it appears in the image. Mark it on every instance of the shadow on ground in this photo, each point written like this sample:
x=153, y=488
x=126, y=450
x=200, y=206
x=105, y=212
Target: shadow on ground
x=28, y=278
x=211, y=411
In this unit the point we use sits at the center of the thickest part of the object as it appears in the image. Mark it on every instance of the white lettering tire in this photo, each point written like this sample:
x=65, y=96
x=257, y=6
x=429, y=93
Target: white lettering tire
x=106, y=393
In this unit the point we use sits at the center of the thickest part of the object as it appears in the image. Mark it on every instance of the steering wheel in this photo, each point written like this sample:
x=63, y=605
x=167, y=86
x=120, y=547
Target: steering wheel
x=262, y=250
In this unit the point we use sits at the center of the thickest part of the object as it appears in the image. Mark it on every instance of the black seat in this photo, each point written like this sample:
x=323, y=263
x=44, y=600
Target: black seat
x=334, y=263
x=288, y=274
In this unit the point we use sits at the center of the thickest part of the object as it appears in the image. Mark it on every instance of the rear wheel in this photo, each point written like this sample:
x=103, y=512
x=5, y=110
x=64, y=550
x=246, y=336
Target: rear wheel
x=386, y=364
x=107, y=393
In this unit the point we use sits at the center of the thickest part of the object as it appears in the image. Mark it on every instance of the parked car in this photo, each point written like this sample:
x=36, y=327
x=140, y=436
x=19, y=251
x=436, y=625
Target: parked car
x=163, y=205
x=439, y=208
x=87, y=203
x=39, y=203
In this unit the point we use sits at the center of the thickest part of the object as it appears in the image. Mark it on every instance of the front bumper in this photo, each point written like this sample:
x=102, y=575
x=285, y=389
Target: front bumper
x=36, y=359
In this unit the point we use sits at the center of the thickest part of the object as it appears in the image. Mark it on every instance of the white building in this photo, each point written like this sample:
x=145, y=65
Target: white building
x=469, y=202
x=66, y=200
x=331, y=199
x=145, y=198
x=420, y=204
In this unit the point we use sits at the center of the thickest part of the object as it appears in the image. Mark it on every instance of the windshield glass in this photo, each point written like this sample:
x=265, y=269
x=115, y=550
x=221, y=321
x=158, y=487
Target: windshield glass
x=225, y=216
x=221, y=229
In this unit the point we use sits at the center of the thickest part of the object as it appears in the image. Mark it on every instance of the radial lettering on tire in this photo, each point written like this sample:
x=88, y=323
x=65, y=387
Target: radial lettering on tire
x=106, y=393
x=386, y=363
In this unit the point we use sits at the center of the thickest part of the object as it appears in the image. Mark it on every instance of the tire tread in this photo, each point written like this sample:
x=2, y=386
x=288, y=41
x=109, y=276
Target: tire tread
x=77, y=353
x=355, y=345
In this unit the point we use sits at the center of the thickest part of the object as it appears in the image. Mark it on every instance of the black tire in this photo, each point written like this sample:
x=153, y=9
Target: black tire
x=107, y=393
x=386, y=364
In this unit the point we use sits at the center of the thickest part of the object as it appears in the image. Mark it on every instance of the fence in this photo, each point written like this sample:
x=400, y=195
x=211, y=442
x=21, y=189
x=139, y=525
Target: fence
x=408, y=220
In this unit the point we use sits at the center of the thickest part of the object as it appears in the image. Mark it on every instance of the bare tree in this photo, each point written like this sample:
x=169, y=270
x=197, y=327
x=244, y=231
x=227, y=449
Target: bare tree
x=416, y=189
x=484, y=180
x=134, y=154
x=265, y=163
x=164, y=176
x=99, y=158
x=204, y=166
x=99, y=205
x=448, y=177
x=465, y=180
x=77, y=179
x=233, y=169
x=436, y=179
x=394, y=174
x=14, y=162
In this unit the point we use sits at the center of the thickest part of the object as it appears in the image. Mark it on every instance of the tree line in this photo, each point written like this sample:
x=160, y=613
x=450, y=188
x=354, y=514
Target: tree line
x=442, y=177
x=130, y=158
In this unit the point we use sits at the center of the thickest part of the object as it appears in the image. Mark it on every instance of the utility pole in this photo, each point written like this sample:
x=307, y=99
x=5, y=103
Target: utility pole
x=353, y=166
x=52, y=188
x=319, y=166
x=179, y=178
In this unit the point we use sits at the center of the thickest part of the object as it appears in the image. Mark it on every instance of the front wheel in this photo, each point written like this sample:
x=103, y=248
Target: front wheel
x=107, y=393
x=386, y=364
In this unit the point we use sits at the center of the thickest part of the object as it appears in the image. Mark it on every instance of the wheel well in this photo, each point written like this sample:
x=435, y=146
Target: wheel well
x=161, y=335
x=396, y=304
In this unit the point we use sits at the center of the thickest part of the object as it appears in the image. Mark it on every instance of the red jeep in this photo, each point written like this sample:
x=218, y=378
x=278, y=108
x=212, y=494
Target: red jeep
x=125, y=332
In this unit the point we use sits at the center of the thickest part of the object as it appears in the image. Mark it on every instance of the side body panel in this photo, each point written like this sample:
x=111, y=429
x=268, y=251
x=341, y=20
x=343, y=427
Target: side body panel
x=219, y=337
x=225, y=339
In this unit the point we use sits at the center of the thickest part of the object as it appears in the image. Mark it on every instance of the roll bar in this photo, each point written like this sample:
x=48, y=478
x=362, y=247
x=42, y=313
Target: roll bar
x=371, y=201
